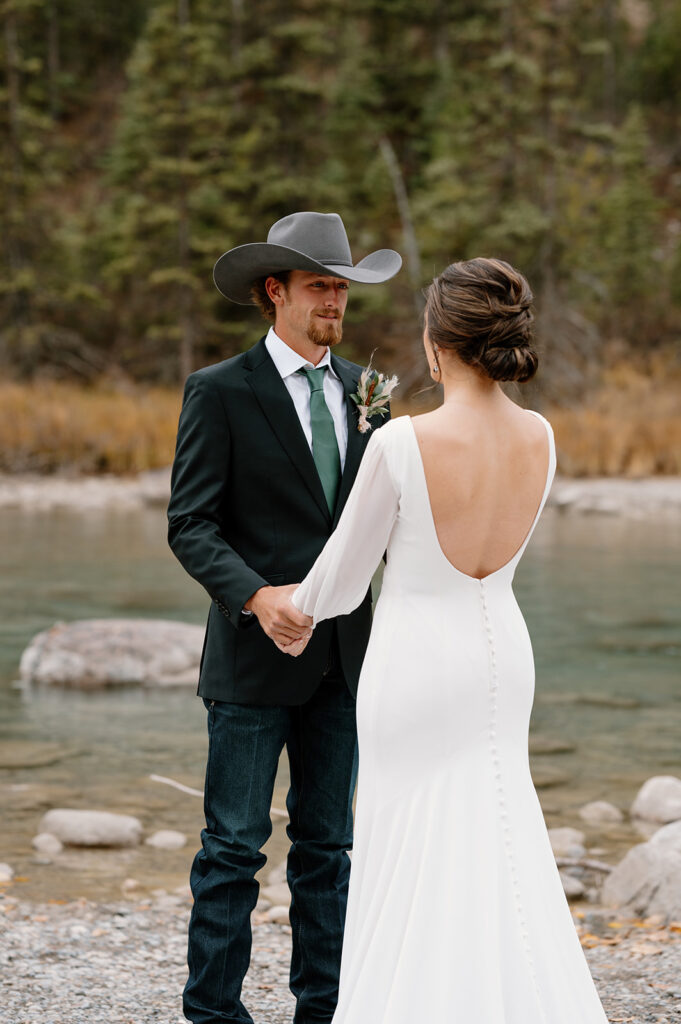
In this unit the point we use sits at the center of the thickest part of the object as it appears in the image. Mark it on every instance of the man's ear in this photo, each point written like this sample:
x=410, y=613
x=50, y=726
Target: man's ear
x=276, y=290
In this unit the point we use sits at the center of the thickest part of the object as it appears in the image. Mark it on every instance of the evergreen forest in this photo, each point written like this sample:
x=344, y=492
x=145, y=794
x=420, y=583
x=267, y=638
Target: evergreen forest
x=142, y=139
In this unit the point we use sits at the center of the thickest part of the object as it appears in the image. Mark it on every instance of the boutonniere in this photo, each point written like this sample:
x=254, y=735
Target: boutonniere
x=372, y=395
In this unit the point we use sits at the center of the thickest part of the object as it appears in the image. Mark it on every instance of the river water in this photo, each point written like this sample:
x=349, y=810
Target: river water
x=600, y=595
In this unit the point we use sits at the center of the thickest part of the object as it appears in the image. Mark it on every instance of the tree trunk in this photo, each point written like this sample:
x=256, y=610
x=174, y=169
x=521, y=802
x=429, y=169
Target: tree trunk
x=53, y=59
x=14, y=213
x=186, y=353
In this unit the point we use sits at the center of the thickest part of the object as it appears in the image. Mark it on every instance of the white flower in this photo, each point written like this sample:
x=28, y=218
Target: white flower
x=373, y=394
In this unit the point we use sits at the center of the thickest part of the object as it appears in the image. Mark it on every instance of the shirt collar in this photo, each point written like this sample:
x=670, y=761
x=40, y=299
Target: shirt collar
x=287, y=361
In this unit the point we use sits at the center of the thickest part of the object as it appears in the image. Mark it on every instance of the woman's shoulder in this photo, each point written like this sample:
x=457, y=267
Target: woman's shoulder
x=394, y=427
x=390, y=435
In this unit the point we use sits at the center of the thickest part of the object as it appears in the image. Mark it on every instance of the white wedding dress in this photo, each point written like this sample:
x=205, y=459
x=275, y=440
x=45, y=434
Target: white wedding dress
x=456, y=912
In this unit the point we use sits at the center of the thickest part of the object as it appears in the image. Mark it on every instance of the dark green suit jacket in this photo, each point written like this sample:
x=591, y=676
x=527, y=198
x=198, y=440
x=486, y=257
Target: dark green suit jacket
x=247, y=509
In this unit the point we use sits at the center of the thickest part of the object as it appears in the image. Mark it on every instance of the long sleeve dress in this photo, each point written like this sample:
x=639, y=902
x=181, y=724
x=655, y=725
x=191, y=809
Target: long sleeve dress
x=456, y=912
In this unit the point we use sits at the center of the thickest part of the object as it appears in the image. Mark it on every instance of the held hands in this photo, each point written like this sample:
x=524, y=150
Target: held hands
x=289, y=628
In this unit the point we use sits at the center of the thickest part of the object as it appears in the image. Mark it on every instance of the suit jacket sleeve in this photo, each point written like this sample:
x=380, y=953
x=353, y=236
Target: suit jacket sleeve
x=198, y=492
x=338, y=581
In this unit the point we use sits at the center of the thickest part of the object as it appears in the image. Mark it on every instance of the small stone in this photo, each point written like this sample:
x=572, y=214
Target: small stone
x=47, y=844
x=278, y=915
x=6, y=873
x=567, y=842
x=599, y=811
x=572, y=887
x=276, y=894
x=129, y=885
x=658, y=799
x=167, y=839
x=92, y=828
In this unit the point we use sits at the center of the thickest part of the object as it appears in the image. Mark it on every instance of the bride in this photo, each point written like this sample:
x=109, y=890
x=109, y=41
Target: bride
x=456, y=912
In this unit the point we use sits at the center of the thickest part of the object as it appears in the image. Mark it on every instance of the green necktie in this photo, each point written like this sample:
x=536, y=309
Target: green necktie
x=324, y=445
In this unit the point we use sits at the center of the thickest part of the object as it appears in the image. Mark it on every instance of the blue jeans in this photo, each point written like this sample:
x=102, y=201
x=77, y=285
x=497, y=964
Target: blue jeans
x=245, y=742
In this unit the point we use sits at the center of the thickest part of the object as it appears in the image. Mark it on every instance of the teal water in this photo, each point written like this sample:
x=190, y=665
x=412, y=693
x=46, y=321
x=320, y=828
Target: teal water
x=600, y=595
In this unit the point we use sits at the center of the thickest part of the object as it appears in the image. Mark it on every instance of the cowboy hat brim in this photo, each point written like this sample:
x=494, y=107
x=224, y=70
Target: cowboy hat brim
x=236, y=270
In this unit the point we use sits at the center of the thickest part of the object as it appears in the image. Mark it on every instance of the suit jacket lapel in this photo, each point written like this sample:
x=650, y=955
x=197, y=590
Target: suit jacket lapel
x=356, y=440
x=278, y=407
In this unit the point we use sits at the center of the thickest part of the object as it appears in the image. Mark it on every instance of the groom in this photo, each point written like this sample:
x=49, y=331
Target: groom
x=268, y=447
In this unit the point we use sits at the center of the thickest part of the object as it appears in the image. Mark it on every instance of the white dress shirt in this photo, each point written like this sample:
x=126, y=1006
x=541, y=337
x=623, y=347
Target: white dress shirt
x=287, y=362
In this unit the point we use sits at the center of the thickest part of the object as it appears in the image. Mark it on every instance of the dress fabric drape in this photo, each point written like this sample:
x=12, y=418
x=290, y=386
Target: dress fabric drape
x=456, y=913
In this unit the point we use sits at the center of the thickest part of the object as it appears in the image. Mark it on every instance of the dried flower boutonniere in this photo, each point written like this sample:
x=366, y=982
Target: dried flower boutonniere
x=372, y=395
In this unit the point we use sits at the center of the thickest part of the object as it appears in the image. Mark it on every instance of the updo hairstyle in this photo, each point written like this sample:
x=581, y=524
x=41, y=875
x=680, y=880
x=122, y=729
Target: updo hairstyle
x=480, y=308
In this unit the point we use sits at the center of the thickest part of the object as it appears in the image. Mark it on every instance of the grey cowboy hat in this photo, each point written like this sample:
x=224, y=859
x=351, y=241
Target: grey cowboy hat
x=302, y=241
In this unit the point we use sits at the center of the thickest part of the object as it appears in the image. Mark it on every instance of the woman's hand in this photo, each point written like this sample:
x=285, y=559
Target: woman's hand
x=296, y=645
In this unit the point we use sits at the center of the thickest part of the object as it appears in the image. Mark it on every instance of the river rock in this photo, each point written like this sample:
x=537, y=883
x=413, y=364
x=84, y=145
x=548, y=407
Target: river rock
x=92, y=653
x=658, y=799
x=567, y=842
x=6, y=873
x=276, y=894
x=167, y=839
x=668, y=836
x=278, y=915
x=572, y=887
x=92, y=828
x=47, y=844
x=599, y=812
x=646, y=882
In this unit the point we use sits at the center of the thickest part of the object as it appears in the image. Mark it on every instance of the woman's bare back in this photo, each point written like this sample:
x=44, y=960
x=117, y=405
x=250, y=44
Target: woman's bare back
x=485, y=467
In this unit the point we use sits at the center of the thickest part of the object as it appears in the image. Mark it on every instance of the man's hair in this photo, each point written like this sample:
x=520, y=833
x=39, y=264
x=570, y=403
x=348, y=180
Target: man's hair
x=262, y=299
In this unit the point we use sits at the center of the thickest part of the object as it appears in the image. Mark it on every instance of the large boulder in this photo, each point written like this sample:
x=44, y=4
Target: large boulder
x=92, y=828
x=647, y=881
x=668, y=836
x=658, y=799
x=92, y=653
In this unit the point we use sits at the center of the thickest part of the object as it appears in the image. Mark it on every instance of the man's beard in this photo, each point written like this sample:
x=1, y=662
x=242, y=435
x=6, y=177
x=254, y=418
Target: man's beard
x=329, y=333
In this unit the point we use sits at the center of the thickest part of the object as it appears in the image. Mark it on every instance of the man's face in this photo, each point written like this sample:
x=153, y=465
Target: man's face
x=313, y=305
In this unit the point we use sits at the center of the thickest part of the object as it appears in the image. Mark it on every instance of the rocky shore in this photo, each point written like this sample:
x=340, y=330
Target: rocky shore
x=637, y=498
x=89, y=963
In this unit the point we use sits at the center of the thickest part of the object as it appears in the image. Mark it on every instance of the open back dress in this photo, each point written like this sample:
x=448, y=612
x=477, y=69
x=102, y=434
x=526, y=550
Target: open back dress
x=456, y=912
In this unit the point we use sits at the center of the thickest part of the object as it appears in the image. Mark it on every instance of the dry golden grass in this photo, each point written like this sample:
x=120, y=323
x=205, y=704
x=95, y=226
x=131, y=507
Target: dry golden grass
x=630, y=427
x=46, y=427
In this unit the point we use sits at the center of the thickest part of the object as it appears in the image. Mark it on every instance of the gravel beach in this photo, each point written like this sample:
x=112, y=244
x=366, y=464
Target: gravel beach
x=124, y=963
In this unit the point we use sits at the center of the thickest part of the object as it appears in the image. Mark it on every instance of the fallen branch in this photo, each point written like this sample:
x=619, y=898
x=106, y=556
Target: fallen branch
x=275, y=812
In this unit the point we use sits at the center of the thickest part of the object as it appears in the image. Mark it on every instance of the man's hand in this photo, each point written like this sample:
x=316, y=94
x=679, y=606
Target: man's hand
x=279, y=617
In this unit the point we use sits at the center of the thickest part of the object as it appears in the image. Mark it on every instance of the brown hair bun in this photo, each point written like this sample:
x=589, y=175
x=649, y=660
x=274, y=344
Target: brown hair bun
x=481, y=309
